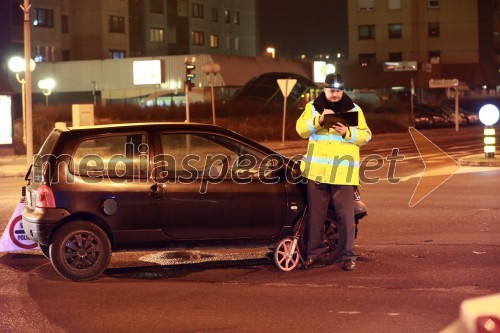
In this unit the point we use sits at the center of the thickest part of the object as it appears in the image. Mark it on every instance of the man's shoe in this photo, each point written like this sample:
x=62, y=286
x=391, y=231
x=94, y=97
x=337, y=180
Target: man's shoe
x=349, y=265
x=310, y=263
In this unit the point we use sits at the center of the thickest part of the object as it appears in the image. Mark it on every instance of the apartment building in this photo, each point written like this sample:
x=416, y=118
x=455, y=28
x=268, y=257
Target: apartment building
x=64, y=30
x=427, y=38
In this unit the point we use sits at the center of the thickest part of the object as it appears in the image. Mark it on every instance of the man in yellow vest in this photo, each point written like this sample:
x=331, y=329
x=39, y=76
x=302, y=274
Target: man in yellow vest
x=331, y=166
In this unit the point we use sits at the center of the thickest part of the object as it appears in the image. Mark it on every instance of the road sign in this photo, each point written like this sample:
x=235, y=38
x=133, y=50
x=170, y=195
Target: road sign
x=443, y=83
x=286, y=86
x=14, y=238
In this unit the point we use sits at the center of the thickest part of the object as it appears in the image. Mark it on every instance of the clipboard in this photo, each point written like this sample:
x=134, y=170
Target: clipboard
x=346, y=118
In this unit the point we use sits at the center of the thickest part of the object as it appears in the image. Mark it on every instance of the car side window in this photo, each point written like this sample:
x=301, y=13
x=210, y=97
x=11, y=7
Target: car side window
x=113, y=156
x=208, y=155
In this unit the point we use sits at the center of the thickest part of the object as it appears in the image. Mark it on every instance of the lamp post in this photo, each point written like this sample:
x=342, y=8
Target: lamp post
x=211, y=69
x=17, y=65
x=272, y=51
x=47, y=85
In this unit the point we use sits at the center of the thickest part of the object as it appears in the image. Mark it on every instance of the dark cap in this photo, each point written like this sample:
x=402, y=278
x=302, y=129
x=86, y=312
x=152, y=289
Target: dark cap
x=334, y=81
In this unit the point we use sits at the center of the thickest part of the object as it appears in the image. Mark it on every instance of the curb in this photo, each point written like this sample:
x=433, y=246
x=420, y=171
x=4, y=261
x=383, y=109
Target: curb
x=479, y=160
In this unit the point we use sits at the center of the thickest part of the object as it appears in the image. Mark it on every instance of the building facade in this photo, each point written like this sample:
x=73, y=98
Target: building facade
x=64, y=30
x=444, y=38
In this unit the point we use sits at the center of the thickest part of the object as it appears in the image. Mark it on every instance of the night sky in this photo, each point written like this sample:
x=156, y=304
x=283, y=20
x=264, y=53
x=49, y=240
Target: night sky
x=294, y=27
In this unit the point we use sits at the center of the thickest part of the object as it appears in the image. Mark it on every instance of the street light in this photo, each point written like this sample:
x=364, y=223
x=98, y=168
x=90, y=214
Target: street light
x=47, y=85
x=211, y=69
x=17, y=65
x=272, y=51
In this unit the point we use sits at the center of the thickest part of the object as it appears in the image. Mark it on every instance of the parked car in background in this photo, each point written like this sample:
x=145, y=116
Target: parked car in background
x=425, y=114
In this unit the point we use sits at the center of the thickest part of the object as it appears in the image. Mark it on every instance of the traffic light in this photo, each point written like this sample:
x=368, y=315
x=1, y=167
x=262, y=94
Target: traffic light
x=190, y=75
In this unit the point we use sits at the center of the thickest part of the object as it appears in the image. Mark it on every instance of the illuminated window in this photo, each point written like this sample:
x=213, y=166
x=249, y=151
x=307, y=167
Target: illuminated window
x=395, y=30
x=433, y=29
x=236, y=43
x=227, y=16
x=116, y=54
x=435, y=57
x=366, y=59
x=43, y=18
x=214, y=41
x=116, y=24
x=236, y=17
x=197, y=10
x=198, y=38
x=366, y=32
x=156, y=35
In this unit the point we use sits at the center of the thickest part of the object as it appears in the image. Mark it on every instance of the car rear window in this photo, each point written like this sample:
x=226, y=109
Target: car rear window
x=40, y=159
x=112, y=156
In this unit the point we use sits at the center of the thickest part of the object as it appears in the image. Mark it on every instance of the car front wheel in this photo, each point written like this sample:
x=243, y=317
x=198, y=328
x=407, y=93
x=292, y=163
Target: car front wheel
x=80, y=251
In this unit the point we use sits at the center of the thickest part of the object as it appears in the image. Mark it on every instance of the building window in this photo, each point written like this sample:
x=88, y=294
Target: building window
x=198, y=38
x=395, y=56
x=366, y=5
x=395, y=30
x=394, y=5
x=116, y=54
x=66, y=55
x=433, y=29
x=43, y=18
x=156, y=35
x=366, y=32
x=214, y=41
x=227, y=16
x=433, y=3
x=197, y=10
x=117, y=24
x=236, y=43
x=64, y=24
x=228, y=43
x=156, y=6
x=172, y=7
x=434, y=57
x=367, y=59
x=236, y=17
x=214, y=15
x=134, y=23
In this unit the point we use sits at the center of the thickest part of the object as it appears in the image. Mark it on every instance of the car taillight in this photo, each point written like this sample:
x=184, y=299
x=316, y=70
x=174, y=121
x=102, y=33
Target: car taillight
x=45, y=197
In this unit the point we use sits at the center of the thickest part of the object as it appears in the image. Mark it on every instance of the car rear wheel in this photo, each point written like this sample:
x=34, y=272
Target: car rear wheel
x=80, y=251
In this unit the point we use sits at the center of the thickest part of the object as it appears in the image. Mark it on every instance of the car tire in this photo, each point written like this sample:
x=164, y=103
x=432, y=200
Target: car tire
x=333, y=238
x=80, y=251
x=45, y=250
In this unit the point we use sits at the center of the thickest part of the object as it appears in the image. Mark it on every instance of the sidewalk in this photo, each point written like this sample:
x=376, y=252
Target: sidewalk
x=13, y=166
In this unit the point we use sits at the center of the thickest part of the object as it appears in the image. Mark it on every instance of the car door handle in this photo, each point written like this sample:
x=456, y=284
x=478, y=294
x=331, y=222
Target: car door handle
x=156, y=191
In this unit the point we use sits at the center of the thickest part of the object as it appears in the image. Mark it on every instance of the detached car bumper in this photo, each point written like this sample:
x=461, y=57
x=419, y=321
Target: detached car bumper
x=39, y=223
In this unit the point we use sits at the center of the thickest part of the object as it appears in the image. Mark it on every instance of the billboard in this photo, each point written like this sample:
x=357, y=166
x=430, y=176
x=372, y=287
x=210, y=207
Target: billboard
x=5, y=119
x=147, y=72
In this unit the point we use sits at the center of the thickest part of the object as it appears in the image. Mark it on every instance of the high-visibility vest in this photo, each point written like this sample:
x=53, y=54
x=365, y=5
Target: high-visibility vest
x=331, y=158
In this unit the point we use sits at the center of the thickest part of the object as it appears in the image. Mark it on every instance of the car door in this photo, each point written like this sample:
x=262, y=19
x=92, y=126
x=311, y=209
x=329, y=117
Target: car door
x=110, y=179
x=211, y=189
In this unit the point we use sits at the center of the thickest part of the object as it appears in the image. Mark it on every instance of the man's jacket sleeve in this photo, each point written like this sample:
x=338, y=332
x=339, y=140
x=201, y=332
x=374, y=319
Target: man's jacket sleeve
x=308, y=122
x=361, y=134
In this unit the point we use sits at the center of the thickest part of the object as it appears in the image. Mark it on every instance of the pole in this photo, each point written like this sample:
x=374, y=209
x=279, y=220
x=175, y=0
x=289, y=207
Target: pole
x=23, y=97
x=186, y=91
x=27, y=58
x=213, y=101
x=285, y=96
x=456, y=108
x=412, y=92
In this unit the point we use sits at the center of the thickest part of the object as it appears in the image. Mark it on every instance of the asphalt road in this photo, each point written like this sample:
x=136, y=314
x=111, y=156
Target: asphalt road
x=416, y=265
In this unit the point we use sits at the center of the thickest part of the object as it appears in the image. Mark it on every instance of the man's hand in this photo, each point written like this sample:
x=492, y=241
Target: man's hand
x=322, y=118
x=340, y=128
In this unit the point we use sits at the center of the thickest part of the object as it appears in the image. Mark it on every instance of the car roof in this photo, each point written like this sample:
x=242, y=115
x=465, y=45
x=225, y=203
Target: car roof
x=142, y=126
